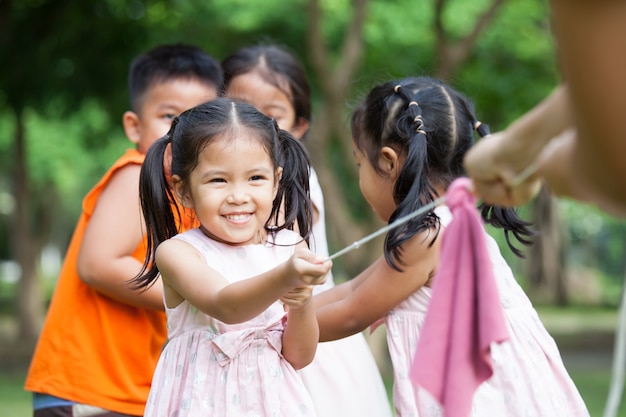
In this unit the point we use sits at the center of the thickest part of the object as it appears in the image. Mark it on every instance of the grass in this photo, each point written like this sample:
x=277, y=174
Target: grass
x=14, y=401
x=592, y=384
x=594, y=388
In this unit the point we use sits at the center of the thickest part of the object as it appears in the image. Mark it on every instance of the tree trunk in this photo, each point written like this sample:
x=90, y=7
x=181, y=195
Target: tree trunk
x=452, y=53
x=27, y=246
x=546, y=275
x=330, y=125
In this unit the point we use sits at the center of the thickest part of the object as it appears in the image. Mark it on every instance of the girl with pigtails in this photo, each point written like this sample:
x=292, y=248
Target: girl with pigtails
x=237, y=289
x=343, y=378
x=409, y=138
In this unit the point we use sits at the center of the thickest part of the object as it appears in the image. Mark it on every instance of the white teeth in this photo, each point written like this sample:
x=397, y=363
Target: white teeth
x=237, y=217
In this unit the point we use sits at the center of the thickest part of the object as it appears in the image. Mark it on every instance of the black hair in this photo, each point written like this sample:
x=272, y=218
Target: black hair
x=168, y=62
x=432, y=126
x=189, y=134
x=278, y=67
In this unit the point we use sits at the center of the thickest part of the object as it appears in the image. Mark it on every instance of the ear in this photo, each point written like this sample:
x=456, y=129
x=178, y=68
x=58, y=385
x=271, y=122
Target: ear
x=181, y=192
x=131, y=123
x=300, y=128
x=389, y=162
x=277, y=176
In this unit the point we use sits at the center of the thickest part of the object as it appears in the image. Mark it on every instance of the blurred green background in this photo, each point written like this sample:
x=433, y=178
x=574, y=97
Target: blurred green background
x=63, y=92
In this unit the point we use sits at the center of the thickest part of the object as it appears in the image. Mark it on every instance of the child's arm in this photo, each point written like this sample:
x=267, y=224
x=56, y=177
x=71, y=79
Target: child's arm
x=184, y=270
x=376, y=290
x=114, y=231
x=301, y=332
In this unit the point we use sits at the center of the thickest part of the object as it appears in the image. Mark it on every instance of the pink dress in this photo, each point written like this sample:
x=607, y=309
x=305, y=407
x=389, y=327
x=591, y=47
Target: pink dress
x=529, y=377
x=209, y=368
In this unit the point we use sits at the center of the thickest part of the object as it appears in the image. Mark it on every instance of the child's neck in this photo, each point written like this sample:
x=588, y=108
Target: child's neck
x=259, y=239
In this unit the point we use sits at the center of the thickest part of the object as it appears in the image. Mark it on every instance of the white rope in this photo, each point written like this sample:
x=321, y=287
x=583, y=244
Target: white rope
x=619, y=361
x=398, y=222
x=523, y=176
x=424, y=209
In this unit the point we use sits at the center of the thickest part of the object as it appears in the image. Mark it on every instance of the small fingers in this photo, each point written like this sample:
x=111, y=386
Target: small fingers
x=315, y=279
x=298, y=296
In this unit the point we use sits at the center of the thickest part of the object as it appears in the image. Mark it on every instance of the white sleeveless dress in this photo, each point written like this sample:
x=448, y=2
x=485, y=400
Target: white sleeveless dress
x=209, y=368
x=343, y=379
x=529, y=377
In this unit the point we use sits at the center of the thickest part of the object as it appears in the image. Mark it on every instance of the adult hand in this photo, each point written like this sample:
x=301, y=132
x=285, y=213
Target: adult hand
x=502, y=174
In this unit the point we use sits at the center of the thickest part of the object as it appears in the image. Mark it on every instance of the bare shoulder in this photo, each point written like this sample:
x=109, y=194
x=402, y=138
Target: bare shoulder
x=115, y=227
x=124, y=183
x=421, y=254
x=176, y=250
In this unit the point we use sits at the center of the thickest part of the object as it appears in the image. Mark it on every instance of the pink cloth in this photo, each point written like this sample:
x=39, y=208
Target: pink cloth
x=465, y=317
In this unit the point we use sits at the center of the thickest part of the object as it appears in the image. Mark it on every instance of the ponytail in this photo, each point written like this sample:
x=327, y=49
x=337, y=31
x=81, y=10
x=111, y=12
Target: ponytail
x=413, y=188
x=293, y=188
x=157, y=205
x=412, y=191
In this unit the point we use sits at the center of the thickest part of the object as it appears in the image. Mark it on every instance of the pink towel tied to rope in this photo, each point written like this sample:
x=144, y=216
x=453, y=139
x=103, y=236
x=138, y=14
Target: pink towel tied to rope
x=464, y=317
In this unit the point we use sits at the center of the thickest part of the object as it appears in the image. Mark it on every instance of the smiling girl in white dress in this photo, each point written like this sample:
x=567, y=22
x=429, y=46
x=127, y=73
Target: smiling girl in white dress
x=237, y=289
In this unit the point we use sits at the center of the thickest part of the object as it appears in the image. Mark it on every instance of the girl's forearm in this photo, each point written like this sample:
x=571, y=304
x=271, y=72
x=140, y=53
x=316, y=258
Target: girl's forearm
x=246, y=299
x=342, y=313
x=337, y=321
x=300, y=337
x=333, y=294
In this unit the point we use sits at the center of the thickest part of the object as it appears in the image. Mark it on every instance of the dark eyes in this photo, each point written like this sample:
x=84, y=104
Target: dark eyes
x=252, y=178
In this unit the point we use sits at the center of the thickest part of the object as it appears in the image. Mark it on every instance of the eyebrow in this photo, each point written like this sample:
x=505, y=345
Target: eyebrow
x=273, y=105
x=169, y=106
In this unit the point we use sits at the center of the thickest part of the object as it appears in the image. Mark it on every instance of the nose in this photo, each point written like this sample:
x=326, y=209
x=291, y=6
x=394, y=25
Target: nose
x=238, y=194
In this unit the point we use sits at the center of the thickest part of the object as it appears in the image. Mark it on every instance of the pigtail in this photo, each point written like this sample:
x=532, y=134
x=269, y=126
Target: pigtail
x=293, y=188
x=412, y=191
x=413, y=188
x=505, y=218
x=157, y=205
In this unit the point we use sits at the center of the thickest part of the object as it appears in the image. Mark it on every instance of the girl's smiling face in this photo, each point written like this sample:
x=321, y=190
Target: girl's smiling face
x=232, y=189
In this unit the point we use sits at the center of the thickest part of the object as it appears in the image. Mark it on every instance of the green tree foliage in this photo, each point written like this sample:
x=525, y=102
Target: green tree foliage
x=65, y=64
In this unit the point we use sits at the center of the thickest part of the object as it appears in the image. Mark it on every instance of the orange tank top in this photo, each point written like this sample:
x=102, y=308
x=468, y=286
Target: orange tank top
x=92, y=349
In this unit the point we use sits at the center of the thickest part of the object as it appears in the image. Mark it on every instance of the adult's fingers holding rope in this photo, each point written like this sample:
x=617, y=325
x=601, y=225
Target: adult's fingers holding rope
x=502, y=173
x=505, y=192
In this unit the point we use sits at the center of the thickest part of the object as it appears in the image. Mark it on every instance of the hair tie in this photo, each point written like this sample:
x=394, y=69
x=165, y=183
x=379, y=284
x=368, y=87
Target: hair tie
x=477, y=125
x=413, y=103
x=418, y=130
x=396, y=88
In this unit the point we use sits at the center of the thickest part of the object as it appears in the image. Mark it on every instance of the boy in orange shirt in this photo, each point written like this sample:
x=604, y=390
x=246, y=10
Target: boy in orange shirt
x=101, y=340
